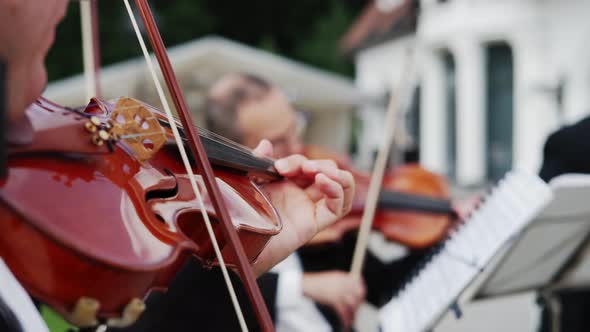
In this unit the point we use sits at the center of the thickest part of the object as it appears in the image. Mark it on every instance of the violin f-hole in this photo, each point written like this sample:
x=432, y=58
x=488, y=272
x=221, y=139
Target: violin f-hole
x=163, y=193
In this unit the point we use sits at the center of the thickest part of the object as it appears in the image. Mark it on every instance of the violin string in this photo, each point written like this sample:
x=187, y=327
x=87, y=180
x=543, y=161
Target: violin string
x=205, y=133
x=188, y=168
x=230, y=144
x=140, y=135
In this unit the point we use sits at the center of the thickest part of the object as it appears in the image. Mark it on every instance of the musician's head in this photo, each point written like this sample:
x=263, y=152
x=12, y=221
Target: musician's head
x=27, y=30
x=247, y=109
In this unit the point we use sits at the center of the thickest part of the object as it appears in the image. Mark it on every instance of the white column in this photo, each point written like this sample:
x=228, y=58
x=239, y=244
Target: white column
x=535, y=115
x=471, y=116
x=433, y=153
x=370, y=80
x=577, y=85
x=577, y=98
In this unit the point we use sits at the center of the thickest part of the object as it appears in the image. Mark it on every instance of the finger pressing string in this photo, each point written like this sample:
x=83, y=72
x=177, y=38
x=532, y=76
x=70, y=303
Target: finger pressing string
x=290, y=166
x=333, y=192
x=344, y=179
x=314, y=166
x=264, y=149
x=327, y=167
x=329, y=187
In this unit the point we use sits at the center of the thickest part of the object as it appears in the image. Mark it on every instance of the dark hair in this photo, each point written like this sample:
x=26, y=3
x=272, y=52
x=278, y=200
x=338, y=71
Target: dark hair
x=220, y=112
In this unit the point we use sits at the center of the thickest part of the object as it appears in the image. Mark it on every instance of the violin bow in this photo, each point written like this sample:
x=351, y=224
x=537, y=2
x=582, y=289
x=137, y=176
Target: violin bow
x=90, y=47
x=203, y=165
x=3, y=119
x=398, y=100
x=91, y=56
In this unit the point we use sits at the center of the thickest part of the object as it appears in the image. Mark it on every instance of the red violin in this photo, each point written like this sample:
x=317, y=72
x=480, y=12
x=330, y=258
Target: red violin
x=96, y=209
x=127, y=216
x=413, y=207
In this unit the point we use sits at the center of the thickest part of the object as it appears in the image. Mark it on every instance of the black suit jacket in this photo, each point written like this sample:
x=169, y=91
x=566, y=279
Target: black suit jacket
x=8, y=321
x=197, y=300
x=567, y=151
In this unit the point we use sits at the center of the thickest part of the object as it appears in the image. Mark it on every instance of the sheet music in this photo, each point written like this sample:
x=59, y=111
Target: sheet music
x=547, y=245
x=456, y=262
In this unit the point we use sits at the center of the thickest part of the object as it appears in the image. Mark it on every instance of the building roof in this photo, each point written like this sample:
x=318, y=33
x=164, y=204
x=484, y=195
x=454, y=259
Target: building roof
x=201, y=62
x=376, y=25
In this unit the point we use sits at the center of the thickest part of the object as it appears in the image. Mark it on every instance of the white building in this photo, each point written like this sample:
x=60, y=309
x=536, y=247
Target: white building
x=495, y=77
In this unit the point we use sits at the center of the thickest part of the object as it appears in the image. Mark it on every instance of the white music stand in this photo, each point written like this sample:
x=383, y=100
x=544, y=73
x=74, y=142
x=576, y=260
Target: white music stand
x=540, y=256
x=455, y=269
x=552, y=253
x=545, y=250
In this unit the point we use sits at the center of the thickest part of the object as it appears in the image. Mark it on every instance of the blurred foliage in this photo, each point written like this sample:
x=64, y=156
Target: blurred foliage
x=54, y=321
x=305, y=30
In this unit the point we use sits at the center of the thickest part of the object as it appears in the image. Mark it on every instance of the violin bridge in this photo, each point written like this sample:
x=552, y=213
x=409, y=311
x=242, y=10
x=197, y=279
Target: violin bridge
x=84, y=313
x=132, y=123
x=130, y=314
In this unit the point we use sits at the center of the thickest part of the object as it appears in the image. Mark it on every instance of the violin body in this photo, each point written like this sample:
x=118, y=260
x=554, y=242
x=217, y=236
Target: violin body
x=86, y=220
x=413, y=228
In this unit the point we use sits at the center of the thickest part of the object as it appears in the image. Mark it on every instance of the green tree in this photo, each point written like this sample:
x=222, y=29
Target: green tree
x=321, y=49
x=306, y=30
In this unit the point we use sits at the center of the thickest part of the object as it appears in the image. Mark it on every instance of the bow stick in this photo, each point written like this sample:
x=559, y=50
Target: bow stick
x=90, y=47
x=397, y=101
x=3, y=119
x=203, y=165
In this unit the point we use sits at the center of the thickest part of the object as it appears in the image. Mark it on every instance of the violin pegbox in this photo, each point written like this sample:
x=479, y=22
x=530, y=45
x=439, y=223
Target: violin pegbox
x=133, y=123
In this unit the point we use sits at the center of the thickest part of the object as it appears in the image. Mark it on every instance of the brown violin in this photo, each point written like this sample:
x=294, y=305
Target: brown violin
x=98, y=210
x=413, y=208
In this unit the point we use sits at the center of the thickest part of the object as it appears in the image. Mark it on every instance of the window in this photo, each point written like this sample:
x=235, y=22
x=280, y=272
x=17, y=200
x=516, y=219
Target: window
x=412, y=153
x=499, y=110
x=451, y=113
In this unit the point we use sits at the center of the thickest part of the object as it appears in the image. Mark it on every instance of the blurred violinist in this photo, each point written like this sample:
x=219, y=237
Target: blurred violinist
x=324, y=197
x=247, y=108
